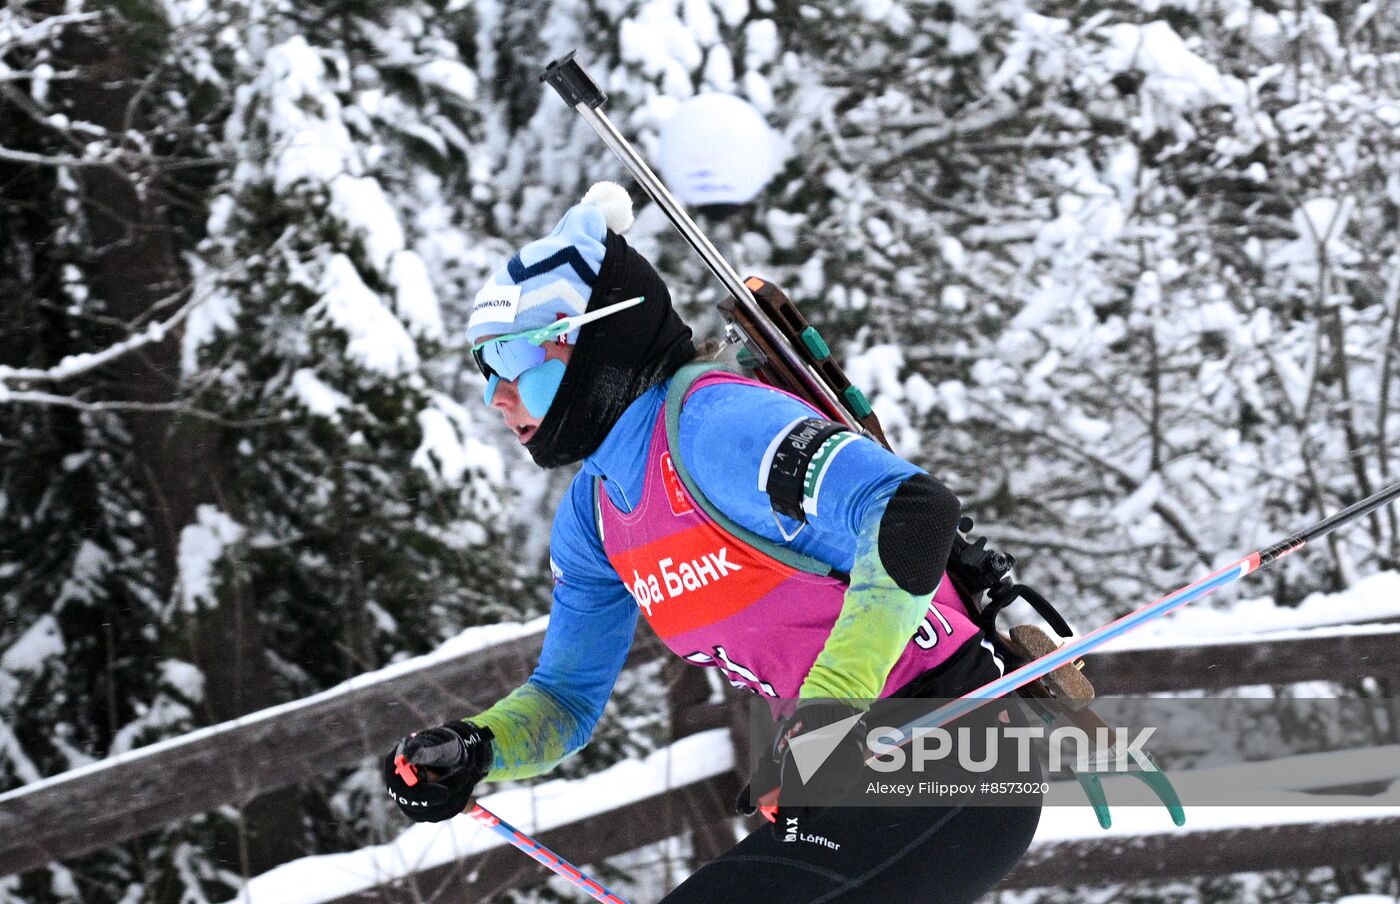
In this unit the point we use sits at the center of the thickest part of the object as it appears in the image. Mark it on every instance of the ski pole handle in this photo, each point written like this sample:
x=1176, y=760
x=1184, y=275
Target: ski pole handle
x=552, y=861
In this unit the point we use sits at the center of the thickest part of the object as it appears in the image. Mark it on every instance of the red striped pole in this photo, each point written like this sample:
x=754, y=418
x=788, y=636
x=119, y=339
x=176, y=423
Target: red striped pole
x=550, y=860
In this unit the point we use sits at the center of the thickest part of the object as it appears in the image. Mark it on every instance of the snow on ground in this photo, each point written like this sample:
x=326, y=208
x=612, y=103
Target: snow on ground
x=1371, y=599
x=531, y=810
x=471, y=639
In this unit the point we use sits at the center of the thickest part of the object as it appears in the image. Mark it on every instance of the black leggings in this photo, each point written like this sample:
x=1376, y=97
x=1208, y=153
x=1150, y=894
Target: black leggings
x=890, y=855
x=949, y=855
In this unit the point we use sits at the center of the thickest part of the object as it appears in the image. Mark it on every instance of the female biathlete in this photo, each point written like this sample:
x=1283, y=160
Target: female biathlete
x=839, y=598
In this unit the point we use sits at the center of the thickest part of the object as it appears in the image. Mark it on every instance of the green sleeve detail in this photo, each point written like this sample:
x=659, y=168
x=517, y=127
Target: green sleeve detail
x=876, y=621
x=531, y=731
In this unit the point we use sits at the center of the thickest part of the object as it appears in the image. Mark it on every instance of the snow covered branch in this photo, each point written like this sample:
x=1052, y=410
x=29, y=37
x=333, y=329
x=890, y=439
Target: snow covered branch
x=997, y=111
x=1168, y=510
x=49, y=398
x=74, y=366
x=13, y=35
x=1017, y=539
x=28, y=75
x=85, y=362
x=108, y=405
x=28, y=157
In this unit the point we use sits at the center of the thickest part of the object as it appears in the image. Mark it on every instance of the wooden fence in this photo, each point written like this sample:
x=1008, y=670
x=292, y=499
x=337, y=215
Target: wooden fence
x=237, y=761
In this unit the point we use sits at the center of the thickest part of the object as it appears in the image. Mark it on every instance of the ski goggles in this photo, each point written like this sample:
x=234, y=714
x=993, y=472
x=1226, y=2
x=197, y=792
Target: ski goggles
x=521, y=358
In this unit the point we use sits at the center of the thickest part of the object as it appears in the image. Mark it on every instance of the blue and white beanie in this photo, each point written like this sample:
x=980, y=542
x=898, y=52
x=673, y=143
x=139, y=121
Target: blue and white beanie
x=553, y=277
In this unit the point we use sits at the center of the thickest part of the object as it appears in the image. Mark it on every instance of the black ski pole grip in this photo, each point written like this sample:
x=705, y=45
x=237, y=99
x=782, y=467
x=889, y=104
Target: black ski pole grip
x=573, y=83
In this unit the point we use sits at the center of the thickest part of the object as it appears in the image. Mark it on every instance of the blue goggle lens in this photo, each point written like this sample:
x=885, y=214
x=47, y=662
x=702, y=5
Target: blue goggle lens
x=538, y=386
x=508, y=358
x=520, y=361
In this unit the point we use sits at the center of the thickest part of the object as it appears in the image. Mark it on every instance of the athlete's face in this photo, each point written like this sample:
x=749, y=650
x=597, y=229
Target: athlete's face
x=507, y=397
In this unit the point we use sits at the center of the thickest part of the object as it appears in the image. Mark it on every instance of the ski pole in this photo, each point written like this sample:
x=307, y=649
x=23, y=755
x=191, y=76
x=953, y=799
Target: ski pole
x=556, y=864
x=552, y=861
x=1039, y=668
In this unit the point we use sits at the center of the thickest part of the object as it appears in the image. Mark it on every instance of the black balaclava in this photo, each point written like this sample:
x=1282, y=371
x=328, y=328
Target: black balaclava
x=616, y=359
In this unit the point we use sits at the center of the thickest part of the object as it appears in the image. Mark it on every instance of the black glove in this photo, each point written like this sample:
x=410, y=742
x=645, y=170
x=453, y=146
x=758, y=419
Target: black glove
x=431, y=773
x=762, y=791
x=839, y=774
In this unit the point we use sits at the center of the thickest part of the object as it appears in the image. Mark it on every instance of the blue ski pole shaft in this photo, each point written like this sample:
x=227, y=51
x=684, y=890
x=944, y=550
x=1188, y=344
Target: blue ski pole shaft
x=1076, y=648
x=543, y=855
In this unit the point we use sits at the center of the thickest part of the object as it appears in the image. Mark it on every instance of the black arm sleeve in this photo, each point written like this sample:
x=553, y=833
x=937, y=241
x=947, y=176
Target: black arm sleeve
x=916, y=533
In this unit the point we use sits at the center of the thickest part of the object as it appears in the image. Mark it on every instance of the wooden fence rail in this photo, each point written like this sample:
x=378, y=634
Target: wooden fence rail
x=235, y=762
x=1371, y=650
x=1210, y=852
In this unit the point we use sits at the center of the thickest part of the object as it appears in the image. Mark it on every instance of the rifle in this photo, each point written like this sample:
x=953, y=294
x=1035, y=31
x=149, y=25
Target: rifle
x=783, y=350
x=778, y=343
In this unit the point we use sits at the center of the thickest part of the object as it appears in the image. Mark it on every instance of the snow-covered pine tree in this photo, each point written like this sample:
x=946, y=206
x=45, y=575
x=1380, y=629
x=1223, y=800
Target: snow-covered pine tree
x=369, y=517
x=100, y=172
x=1040, y=223
x=285, y=493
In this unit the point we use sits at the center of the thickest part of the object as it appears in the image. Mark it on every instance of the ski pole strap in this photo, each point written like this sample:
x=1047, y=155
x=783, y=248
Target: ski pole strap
x=977, y=569
x=551, y=861
x=1006, y=595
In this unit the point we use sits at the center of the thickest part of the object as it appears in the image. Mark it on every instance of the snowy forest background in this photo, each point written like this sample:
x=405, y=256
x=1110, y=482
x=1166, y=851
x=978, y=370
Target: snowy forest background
x=1126, y=275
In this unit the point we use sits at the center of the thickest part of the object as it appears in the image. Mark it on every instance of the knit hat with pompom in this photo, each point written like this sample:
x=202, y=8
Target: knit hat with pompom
x=553, y=277
x=583, y=265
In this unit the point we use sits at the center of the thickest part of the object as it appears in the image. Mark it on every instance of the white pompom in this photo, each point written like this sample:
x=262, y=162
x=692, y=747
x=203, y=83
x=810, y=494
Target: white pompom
x=613, y=200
